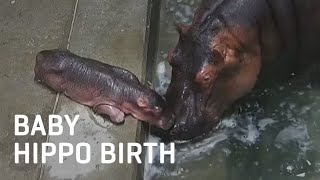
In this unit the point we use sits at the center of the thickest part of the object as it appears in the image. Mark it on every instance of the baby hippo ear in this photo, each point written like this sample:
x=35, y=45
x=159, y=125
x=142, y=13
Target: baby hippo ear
x=143, y=102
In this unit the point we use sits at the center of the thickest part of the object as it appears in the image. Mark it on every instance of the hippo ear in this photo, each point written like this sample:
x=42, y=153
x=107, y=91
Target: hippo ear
x=182, y=29
x=170, y=55
x=143, y=102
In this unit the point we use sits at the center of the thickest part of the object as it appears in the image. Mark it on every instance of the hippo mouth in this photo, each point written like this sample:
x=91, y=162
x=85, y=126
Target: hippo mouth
x=167, y=125
x=189, y=129
x=37, y=79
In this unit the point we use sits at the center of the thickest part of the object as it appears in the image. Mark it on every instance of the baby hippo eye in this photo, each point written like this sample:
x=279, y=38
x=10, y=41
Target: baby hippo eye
x=157, y=108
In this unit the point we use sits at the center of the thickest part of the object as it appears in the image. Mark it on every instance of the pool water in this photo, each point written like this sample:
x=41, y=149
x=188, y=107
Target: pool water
x=274, y=134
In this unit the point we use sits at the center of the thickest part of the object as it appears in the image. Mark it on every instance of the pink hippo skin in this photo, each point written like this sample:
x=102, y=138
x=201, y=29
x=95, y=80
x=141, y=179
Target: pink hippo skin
x=109, y=90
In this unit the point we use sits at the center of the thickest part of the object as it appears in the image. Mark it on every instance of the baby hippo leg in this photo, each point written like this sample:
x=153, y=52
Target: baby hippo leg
x=115, y=114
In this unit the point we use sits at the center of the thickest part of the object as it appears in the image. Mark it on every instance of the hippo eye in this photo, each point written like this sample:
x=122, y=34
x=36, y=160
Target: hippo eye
x=206, y=78
x=157, y=108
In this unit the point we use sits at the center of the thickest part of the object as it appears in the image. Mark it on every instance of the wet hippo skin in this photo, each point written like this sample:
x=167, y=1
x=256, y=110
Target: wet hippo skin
x=109, y=90
x=232, y=47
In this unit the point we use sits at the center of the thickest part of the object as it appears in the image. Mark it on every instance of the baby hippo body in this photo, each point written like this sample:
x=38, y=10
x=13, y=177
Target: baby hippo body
x=109, y=90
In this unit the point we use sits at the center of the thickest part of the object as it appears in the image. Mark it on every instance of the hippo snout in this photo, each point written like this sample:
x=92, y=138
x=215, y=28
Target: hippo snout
x=38, y=68
x=167, y=123
x=37, y=79
x=39, y=59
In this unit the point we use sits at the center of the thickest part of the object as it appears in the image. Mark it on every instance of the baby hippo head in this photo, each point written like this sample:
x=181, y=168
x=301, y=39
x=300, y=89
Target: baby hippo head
x=154, y=110
x=48, y=69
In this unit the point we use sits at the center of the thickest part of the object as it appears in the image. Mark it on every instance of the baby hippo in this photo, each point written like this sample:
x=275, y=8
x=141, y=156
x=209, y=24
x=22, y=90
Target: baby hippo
x=109, y=90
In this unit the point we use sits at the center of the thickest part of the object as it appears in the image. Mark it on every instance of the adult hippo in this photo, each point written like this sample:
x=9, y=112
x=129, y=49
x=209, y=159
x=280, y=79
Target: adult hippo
x=230, y=48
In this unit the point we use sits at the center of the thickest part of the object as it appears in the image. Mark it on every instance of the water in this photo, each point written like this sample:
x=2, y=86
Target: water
x=273, y=135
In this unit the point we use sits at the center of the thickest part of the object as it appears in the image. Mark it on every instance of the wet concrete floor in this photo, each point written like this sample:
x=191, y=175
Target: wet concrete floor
x=107, y=30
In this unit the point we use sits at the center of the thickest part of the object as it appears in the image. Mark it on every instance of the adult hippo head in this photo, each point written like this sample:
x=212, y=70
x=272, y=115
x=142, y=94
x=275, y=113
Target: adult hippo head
x=216, y=61
x=229, y=44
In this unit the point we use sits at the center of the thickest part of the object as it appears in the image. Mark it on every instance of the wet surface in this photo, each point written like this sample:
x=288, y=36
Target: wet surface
x=272, y=134
x=111, y=32
x=26, y=28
